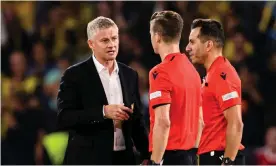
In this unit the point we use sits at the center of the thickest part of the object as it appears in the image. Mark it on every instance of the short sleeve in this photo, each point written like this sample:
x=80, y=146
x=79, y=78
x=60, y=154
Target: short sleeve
x=227, y=91
x=160, y=87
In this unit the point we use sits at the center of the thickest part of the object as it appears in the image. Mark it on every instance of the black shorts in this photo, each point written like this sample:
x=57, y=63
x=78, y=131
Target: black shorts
x=180, y=157
x=215, y=158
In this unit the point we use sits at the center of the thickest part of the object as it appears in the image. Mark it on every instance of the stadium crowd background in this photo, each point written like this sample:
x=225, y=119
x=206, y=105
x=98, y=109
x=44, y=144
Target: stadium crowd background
x=39, y=40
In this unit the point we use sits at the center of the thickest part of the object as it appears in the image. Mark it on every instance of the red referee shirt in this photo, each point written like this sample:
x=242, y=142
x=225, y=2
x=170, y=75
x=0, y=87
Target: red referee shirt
x=177, y=82
x=221, y=90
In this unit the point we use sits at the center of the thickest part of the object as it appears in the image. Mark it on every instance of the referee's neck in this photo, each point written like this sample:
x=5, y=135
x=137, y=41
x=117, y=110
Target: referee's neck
x=211, y=58
x=168, y=49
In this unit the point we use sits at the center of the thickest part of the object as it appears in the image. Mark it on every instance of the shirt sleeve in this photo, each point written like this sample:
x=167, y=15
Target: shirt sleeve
x=160, y=88
x=228, y=92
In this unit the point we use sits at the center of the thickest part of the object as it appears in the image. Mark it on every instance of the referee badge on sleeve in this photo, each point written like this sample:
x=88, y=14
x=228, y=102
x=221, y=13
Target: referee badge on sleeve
x=230, y=95
x=155, y=95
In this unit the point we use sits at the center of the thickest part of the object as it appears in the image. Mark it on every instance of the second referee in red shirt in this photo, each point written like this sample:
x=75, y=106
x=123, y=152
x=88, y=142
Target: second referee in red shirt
x=221, y=96
x=174, y=95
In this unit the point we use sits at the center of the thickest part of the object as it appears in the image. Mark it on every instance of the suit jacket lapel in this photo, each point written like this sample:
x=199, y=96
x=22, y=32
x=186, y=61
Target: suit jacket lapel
x=124, y=86
x=94, y=78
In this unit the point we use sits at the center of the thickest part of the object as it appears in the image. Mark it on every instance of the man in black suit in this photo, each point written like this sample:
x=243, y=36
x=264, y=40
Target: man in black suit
x=99, y=104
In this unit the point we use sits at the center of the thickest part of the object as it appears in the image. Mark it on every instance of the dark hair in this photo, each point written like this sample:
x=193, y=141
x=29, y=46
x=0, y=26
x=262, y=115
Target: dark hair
x=210, y=30
x=168, y=24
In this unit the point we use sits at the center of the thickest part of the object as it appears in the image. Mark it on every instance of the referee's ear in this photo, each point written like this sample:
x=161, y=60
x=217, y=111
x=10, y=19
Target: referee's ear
x=158, y=38
x=209, y=45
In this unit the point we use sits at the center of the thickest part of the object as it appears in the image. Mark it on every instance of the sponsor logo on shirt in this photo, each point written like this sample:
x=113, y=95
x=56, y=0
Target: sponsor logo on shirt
x=230, y=95
x=154, y=74
x=155, y=95
x=223, y=75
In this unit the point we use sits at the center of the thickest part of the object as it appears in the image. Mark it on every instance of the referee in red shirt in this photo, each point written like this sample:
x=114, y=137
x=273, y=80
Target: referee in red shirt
x=175, y=95
x=221, y=96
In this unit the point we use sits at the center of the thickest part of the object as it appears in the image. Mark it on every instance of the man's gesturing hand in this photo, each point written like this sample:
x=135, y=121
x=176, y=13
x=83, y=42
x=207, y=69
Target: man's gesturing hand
x=117, y=112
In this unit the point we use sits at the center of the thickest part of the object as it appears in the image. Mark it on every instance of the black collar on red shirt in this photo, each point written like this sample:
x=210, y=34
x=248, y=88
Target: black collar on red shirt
x=171, y=56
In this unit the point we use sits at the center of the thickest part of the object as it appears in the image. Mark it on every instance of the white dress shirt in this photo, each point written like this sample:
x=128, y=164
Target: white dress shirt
x=113, y=91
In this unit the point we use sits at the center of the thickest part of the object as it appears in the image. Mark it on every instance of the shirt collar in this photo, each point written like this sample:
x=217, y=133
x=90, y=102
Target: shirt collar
x=216, y=62
x=170, y=56
x=101, y=67
x=116, y=67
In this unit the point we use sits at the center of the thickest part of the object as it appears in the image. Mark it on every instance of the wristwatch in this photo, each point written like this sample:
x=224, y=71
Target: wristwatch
x=151, y=162
x=227, y=161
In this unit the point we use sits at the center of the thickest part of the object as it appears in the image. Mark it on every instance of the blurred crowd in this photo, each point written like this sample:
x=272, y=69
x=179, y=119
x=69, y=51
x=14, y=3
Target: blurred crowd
x=39, y=40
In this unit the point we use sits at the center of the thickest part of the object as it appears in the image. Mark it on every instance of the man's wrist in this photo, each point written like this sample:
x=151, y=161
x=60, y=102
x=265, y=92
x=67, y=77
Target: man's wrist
x=154, y=162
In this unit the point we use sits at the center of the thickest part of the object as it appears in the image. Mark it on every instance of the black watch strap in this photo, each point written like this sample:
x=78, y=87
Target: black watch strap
x=151, y=162
x=227, y=161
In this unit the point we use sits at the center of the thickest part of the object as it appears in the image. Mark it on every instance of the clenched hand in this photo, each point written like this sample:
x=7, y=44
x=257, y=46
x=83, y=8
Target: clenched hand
x=117, y=112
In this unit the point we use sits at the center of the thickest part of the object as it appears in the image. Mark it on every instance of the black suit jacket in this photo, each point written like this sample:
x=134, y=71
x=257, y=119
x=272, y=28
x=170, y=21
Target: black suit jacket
x=80, y=111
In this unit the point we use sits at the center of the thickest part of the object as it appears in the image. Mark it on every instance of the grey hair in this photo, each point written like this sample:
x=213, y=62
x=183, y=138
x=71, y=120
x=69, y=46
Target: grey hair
x=98, y=23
